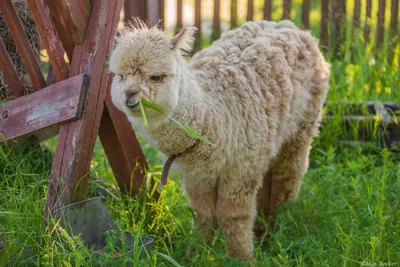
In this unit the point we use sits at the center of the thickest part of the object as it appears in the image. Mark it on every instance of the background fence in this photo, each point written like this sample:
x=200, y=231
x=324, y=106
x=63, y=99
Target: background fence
x=372, y=20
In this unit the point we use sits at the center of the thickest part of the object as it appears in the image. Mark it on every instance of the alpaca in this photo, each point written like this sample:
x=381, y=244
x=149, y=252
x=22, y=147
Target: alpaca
x=257, y=93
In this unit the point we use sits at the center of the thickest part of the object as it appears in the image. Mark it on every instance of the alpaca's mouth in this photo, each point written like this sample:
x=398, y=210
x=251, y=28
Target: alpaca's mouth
x=132, y=103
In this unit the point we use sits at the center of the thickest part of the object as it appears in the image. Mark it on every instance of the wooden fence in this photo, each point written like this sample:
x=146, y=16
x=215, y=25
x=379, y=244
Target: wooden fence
x=333, y=16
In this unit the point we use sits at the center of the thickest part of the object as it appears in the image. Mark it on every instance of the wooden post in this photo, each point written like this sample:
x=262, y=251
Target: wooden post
x=233, y=14
x=338, y=24
x=356, y=14
x=381, y=22
x=179, y=23
x=324, y=23
x=267, y=9
x=216, y=21
x=70, y=173
x=305, y=14
x=368, y=17
x=153, y=11
x=197, y=23
x=250, y=10
x=135, y=8
x=287, y=5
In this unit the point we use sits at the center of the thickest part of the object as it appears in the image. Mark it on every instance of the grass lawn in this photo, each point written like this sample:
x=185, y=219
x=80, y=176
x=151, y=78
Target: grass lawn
x=347, y=214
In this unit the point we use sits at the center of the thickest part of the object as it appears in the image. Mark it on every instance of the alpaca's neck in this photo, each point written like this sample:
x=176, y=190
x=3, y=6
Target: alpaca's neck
x=190, y=110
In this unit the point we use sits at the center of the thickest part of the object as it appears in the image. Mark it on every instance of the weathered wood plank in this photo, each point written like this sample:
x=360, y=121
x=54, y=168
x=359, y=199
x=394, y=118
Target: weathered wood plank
x=267, y=9
x=9, y=71
x=381, y=23
x=338, y=24
x=69, y=178
x=324, y=23
x=368, y=18
x=135, y=8
x=153, y=13
x=287, y=6
x=394, y=18
x=49, y=37
x=70, y=18
x=197, y=23
x=179, y=11
x=305, y=14
x=122, y=147
x=25, y=50
x=58, y=103
x=216, y=20
x=250, y=10
x=234, y=10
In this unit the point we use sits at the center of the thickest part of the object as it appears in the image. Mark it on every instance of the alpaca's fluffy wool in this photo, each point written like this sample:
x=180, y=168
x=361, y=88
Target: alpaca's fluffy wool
x=257, y=93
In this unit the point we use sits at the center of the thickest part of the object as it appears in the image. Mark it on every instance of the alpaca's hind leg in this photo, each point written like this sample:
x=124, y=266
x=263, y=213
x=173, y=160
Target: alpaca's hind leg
x=235, y=215
x=283, y=180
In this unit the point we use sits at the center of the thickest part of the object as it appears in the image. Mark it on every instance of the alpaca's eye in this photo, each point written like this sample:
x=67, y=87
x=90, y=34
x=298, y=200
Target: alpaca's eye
x=155, y=78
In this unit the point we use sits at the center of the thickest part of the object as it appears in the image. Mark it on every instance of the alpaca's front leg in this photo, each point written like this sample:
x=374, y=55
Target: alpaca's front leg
x=202, y=199
x=236, y=209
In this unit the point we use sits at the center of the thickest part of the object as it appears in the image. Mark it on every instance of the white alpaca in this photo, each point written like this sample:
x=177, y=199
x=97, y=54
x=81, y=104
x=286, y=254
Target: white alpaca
x=257, y=93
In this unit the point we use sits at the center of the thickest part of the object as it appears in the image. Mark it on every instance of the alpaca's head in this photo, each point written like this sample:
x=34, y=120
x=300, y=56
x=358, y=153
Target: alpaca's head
x=145, y=62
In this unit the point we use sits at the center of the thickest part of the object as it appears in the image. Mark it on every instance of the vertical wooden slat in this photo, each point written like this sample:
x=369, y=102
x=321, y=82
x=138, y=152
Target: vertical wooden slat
x=162, y=13
x=324, y=23
x=135, y=8
x=216, y=20
x=305, y=14
x=153, y=11
x=250, y=9
x=49, y=38
x=394, y=18
x=356, y=14
x=71, y=164
x=197, y=23
x=338, y=23
x=233, y=14
x=9, y=72
x=368, y=17
x=70, y=18
x=381, y=22
x=179, y=10
x=25, y=50
x=287, y=5
x=267, y=9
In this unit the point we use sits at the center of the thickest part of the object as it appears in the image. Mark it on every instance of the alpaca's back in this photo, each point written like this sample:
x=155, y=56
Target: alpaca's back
x=274, y=68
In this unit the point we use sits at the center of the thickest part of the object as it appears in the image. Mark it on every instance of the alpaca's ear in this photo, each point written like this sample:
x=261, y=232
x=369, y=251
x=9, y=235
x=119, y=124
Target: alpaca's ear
x=184, y=40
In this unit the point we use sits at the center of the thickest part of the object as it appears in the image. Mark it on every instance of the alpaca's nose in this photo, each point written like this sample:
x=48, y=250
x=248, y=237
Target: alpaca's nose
x=131, y=99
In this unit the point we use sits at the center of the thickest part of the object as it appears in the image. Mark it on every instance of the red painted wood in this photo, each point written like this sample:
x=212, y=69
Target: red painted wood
x=49, y=38
x=381, y=22
x=55, y=104
x=76, y=140
x=368, y=18
x=216, y=20
x=9, y=71
x=267, y=9
x=233, y=14
x=287, y=5
x=122, y=147
x=305, y=14
x=70, y=18
x=250, y=9
x=135, y=8
x=25, y=50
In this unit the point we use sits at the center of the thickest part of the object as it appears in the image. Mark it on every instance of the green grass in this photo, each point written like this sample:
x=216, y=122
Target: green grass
x=347, y=212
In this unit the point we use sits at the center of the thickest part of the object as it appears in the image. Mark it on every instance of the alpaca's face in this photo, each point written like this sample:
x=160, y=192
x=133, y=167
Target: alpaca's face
x=144, y=62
